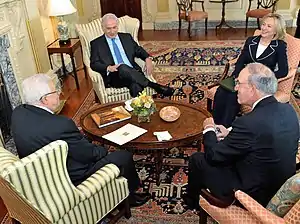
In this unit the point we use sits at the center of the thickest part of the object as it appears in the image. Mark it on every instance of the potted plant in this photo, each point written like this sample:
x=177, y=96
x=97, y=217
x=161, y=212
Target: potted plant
x=143, y=107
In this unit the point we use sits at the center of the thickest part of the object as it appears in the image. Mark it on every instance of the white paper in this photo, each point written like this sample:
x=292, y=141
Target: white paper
x=127, y=105
x=162, y=135
x=125, y=134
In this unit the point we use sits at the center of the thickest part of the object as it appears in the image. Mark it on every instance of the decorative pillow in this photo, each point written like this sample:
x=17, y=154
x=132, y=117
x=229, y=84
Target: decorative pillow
x=286, y=197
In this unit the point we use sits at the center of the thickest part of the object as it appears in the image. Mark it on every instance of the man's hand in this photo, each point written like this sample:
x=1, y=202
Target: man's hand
x=221, y=131
x=149, y=66
x=208, y=123
x=113, y=68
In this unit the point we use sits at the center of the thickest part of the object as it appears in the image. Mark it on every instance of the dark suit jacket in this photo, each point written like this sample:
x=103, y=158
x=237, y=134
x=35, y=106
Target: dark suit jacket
x=33, y=127
x=274, y=54
x=101, y=56
x=261, y=149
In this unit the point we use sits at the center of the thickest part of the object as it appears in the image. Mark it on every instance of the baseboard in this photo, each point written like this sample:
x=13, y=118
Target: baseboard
x=210, y=24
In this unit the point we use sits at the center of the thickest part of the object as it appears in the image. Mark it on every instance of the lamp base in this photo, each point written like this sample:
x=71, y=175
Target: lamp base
x=64, y=42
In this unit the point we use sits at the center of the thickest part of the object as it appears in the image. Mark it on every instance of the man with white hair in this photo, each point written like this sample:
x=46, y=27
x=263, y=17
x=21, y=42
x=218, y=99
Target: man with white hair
x=258, y=154
x=34, y=125
x=112, y=55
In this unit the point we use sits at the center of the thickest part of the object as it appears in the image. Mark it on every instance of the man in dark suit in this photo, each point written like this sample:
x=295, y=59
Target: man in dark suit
x=34, y=125
x=258, y=155
x=112, y=55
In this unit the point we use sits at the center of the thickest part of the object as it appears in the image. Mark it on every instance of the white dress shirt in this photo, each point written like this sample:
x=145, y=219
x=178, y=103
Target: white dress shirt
x=44, y=108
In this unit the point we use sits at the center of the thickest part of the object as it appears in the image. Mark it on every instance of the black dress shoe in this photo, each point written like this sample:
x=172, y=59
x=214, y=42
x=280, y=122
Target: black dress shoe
x=169, y=91
x=164, y=90
x=136, y=200
x=191, y=203
x=142, y=194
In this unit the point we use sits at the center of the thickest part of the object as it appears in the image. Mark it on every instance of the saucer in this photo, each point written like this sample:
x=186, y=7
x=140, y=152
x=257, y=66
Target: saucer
x=169, y=113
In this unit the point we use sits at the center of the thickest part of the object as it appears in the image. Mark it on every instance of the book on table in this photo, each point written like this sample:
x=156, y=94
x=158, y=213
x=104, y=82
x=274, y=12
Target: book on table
x=125, y=134
x=110, y=116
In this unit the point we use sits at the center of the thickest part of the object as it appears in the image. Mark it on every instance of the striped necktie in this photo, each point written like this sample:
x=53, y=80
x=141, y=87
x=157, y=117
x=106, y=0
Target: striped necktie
x=117, y=52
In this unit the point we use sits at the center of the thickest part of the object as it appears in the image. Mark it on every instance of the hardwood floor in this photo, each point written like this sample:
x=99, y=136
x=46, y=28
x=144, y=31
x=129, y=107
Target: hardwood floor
x=76, y=97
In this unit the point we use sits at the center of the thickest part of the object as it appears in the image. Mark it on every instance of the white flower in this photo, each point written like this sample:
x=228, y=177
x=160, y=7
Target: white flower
x=147, y=105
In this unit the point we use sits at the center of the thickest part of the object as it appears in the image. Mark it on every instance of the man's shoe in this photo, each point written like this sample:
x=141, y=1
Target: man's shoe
x=169, y=91
x=142, y=194
x=164, y=90
x=137, y=200
x=191, y=203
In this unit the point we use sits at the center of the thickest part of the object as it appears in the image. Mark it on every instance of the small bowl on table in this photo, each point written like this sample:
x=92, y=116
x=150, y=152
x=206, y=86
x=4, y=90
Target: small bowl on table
x=169, y=113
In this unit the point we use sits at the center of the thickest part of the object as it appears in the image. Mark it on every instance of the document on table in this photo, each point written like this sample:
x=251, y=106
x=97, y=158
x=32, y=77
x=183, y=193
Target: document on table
x=125, y=134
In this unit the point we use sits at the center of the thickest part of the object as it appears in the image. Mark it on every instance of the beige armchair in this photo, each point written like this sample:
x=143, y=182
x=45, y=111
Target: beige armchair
x=90, y=31
x=284, y=207
x=37, y=189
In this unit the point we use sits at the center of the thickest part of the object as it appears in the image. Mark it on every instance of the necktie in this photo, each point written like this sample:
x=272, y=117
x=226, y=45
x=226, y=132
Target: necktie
x=117, y=51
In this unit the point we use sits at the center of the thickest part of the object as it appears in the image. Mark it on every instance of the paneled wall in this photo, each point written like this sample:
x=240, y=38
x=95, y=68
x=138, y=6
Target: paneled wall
x=157, y=12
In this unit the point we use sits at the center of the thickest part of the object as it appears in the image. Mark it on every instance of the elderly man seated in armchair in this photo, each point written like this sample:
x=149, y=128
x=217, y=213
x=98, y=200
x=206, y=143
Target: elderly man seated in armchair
x=35, y=125
x=258, y=155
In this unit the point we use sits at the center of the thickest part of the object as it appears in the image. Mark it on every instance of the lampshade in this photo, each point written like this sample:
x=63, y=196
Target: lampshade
x=60, y=7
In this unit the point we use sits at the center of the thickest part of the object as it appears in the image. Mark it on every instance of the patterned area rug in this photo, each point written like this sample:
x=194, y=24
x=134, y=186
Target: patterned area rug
x=189, y=67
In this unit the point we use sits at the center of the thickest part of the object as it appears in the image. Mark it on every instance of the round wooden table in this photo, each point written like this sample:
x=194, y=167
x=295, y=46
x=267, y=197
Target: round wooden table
x=184, y=131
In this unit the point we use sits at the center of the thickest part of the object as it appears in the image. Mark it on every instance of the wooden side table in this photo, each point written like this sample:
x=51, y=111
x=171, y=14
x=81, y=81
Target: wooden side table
x=56, y=48
x=223, y=21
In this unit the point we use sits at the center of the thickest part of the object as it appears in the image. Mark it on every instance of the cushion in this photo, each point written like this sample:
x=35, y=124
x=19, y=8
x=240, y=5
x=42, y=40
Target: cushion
x=193, y=15
x=286, y=197
x=258, y=13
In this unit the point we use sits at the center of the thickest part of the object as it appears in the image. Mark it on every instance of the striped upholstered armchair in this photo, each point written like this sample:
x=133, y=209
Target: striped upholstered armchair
x=37, y=189
x=90, y=31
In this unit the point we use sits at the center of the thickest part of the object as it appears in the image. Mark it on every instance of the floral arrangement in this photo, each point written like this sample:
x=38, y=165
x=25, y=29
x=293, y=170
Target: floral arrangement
x=143, y=105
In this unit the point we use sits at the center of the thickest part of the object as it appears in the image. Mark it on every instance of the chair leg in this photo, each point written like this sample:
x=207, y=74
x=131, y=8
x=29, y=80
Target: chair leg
x=209, y=105
x=246, y=27
x=179, y=27
x=258, y=25
x=127, y=208
x=189, y=29
x=206, y=26
x=202, y=216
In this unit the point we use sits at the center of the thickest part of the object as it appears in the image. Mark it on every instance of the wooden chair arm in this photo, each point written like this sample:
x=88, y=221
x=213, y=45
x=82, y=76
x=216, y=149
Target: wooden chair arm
x=216, y=201
x=233, y=61
x=224, y=75
x=290, y=75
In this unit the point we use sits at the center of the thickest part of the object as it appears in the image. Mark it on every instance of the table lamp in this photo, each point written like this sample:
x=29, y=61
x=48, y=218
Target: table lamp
x=60, y=8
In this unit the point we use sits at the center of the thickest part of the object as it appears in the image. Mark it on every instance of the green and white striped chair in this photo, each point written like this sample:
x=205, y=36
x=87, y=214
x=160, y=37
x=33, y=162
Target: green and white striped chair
x=37, y=189
x=90, y=31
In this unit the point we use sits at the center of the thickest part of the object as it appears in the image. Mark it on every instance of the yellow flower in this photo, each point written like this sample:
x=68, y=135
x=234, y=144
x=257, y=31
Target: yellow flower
x=143, y=99
x=137, y=102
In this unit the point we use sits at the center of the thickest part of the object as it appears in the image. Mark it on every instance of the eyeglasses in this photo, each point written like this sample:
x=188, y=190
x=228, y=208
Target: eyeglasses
x=237, y=82
x=56, y=91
